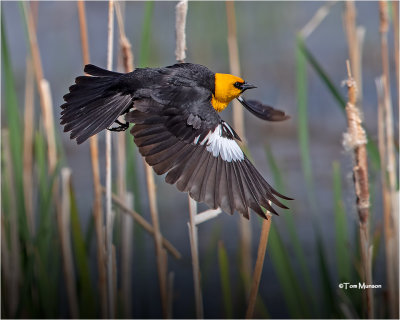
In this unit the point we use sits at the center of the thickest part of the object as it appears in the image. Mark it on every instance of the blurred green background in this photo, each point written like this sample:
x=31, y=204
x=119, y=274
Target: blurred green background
x=312, y=246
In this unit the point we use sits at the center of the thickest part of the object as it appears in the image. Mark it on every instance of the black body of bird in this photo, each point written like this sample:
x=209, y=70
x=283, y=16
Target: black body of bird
x=177, y=129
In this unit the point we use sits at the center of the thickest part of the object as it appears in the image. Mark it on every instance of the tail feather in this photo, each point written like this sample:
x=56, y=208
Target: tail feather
x=100, y=72
x=92, y=105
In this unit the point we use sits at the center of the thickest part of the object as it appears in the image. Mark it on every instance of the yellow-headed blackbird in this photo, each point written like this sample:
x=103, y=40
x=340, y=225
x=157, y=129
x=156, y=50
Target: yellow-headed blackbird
x=177, y=129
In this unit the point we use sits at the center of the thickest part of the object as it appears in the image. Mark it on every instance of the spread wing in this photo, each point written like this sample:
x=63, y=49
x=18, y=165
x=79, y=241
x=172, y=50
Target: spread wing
x=179, y=133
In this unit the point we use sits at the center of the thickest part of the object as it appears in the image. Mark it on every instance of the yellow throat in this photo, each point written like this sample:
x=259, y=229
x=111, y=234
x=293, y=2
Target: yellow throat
x=225, y=90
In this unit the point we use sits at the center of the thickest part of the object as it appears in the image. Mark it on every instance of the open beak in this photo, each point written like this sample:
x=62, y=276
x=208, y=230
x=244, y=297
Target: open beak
x=263, y=111
x=246, y=86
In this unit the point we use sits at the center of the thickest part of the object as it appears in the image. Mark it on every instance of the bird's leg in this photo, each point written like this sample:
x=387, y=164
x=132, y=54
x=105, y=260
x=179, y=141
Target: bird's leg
x=121, y=127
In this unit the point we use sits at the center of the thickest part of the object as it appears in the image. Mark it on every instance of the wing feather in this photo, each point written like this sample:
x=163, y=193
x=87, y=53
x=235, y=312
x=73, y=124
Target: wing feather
x=173, y=160
x=200, y=156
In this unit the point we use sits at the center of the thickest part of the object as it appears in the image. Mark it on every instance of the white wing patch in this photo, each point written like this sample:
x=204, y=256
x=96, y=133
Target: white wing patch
x=219, y=145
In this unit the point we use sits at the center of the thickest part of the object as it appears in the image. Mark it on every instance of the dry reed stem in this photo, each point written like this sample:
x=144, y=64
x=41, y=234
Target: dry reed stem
x=234, y=64
x=120, y=148
x=355, y=139
x=14, y=261
x=387, y=217
x=83, y=31
x=29, y=132
x=126, y=257
x=48, y=122
x=64, y=229
x=126, y=48
x=28, y=146
x=127, y=55
x=354, y=45
x=180, y=33
x=126, y=60
x=391, y=162
x=31, y=26
x=315, y=21
x=396, y=26
x=238, y=124
x=44, y=91
x=94, y=155
x=395, y=11
x=109, y=230
x=126, y=223
x=45, y=102
x=34, y=6
x=262, y=248
x=180, y=55
x=160, y=252
x=109, y=212
x=206, y=215
x=144, y=224
x=389, y=168
x=194, y=245
x=161, y=255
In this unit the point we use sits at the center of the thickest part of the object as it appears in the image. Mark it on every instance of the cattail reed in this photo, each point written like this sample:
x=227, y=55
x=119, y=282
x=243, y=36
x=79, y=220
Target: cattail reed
x=238, y=124
x=94, y=155
x=355, y=139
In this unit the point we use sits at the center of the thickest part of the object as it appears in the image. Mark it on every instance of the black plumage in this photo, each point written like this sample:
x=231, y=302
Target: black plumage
x=176, y=129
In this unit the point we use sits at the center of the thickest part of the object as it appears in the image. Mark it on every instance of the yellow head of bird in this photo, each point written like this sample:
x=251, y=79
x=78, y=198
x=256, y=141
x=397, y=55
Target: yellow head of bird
x=227, y=88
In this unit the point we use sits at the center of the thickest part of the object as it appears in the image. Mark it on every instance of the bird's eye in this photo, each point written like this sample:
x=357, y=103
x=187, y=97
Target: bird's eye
x=237, y=85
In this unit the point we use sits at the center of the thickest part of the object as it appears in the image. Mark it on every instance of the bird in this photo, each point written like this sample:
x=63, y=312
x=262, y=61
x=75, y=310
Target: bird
x=177, y=129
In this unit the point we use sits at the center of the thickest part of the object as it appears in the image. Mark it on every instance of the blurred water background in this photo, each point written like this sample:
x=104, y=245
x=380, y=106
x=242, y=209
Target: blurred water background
x=267, y=40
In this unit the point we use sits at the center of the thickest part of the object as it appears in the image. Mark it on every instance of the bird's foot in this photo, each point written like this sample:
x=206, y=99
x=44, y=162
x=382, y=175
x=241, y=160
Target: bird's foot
x=121, y=127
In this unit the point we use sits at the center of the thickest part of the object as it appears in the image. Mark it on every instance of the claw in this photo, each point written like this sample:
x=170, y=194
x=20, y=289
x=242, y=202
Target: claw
x=121, y=127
